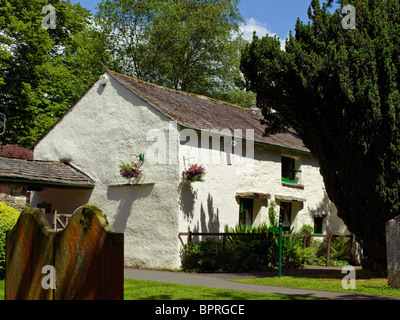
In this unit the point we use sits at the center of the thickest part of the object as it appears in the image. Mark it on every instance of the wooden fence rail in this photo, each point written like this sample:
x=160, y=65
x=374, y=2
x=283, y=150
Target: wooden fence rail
x=190, y=235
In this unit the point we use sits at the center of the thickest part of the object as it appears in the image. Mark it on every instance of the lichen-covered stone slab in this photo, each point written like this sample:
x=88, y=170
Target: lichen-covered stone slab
x=88, y=258
x=393, y=251
x=30, y=247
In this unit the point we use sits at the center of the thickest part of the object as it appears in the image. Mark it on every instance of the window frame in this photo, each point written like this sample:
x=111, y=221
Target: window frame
x=288, y=170
x=318, y=226
x=285, y=214
x=46, y=206
x=242, y=214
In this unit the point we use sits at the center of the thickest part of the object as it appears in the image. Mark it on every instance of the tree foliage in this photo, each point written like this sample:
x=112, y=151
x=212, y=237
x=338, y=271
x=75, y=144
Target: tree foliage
x=43, y=71
x=189, y=45
x=8, y=218
x=338, y=88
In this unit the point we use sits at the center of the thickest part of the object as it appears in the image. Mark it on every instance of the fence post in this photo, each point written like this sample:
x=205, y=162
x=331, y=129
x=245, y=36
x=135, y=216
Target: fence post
x=328, y=255
x=190, y=236
x=280, y=249
x=223, y=249
x=351, y=246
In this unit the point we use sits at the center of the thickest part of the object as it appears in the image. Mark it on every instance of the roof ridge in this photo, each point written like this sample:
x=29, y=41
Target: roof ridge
x=37, y=161
x=200, y=96
x=31, y=160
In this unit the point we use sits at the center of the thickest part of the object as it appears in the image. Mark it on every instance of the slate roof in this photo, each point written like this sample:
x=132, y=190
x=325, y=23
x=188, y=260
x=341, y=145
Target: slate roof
x=42, y=172
x=200, y=112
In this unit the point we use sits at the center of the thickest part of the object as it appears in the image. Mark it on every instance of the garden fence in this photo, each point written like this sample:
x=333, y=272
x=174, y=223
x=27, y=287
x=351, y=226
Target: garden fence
x=306, y=237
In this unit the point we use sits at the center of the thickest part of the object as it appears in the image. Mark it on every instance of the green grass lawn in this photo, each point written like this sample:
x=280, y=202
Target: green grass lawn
x=151, y=290
x=366, y=283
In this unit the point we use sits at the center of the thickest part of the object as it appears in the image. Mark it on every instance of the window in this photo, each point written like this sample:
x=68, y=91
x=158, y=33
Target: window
x=246, y=212
x=288, y=170
x=45, y=206
x=285, y=213
x=318, y=225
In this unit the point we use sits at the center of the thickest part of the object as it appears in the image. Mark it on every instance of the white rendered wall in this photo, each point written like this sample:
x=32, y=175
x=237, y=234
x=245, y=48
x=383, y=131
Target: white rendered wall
x=210, y=206
x=109, y=125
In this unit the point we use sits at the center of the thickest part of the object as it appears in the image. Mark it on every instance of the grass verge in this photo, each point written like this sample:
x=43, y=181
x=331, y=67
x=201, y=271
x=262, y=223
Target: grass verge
x=151, y=290
x=366, y=283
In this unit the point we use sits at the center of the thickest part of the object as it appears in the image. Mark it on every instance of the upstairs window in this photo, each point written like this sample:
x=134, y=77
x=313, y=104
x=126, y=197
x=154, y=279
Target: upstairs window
x=289, y=170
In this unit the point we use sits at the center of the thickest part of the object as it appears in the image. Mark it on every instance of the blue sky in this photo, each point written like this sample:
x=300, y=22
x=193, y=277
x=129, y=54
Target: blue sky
x=275, y=17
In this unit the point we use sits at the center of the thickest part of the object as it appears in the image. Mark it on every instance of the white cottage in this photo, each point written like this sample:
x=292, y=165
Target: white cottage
x=120, y=118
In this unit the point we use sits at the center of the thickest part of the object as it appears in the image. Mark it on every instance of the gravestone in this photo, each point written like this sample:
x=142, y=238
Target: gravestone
x=29, y=247
x=393, y=251
x=87, y=258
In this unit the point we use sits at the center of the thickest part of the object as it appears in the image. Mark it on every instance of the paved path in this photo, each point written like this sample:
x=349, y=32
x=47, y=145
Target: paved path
x=225, y=281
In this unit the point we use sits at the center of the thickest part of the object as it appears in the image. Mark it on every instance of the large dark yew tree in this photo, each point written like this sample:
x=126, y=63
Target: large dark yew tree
x=338, y=88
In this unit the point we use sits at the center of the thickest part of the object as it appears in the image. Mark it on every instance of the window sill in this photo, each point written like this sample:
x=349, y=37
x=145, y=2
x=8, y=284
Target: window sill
x=132, y=184
x=293, y=185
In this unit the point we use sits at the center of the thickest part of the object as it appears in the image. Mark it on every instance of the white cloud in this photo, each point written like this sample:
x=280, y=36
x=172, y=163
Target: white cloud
x=252, y=25
x=261, y=30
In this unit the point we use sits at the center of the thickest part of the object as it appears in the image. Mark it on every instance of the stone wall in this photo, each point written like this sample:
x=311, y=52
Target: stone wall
x=13, y=195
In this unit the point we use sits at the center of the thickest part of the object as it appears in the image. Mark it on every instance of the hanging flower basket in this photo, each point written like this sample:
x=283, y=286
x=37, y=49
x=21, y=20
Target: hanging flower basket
x=130, y=170
x=194, y=173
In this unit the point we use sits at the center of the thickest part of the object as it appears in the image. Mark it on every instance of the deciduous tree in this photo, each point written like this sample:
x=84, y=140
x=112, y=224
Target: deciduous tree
x=44, y=70
x=189, y=45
